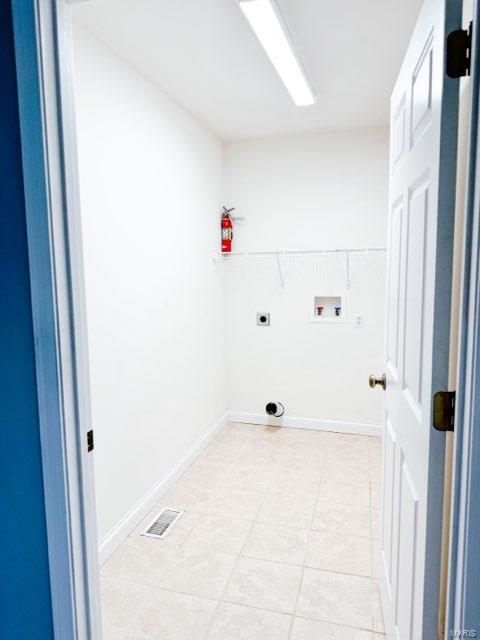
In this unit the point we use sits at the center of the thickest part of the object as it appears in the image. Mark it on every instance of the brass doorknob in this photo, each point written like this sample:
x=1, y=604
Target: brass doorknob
x=382, y=382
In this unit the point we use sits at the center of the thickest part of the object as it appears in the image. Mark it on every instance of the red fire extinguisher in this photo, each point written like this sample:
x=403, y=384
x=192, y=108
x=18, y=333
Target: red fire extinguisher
x=227, y=230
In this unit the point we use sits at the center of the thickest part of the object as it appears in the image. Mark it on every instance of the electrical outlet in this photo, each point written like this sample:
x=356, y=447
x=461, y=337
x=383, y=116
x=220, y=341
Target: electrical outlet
x=358, y=322
x=263, y=319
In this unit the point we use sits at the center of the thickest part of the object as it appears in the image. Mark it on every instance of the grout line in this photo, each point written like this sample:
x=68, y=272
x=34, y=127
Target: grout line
x=204, y=512
x=158, y=588
x=223, y=601
x=304, y=564
x=240, y=554
x=337, y=624
x=309, y=535
x=234, y=566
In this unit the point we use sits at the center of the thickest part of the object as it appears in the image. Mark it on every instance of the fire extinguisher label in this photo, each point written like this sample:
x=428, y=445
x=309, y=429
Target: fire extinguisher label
x=227, y=233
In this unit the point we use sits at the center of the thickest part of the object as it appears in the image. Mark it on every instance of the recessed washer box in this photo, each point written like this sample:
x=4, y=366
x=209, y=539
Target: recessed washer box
x=329, y=309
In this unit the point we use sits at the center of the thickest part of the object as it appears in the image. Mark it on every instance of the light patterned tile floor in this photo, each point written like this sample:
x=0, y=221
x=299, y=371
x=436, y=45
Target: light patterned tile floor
x=279, y=541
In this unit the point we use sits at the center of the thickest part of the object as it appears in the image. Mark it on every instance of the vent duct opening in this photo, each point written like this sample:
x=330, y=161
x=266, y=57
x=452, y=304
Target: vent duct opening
x=275, y=409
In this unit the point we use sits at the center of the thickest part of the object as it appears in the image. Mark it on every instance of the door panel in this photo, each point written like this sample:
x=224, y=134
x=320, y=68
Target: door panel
x=398, y=133
x=394, y=285
x=406, y=553
x=423, y=111
x=421, y=101
x=414, y=287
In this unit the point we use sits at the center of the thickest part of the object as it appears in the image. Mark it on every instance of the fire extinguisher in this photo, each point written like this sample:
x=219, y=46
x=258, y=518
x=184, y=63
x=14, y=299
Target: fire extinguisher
x=227, y=230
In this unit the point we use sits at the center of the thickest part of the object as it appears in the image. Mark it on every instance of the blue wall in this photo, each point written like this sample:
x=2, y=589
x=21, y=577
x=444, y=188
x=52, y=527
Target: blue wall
x=25, y=604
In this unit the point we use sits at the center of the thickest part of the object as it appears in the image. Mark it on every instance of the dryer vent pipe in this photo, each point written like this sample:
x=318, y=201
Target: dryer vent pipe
x=275, y=409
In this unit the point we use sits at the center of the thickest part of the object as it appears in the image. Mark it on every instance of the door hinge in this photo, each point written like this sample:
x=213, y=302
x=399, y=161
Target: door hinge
x=444, y=410
x=90, y=442
x=459, y=52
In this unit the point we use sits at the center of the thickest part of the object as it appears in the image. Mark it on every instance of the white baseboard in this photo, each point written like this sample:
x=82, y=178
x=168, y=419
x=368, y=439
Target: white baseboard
x=132, y=519
x=357, y=428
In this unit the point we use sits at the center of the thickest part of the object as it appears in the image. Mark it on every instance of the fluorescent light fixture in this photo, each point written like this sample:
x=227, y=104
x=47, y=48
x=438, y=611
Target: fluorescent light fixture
x=265, y=20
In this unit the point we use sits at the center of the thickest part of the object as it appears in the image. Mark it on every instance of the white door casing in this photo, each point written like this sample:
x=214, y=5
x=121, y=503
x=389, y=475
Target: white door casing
x=44, y=68
x=423, y=124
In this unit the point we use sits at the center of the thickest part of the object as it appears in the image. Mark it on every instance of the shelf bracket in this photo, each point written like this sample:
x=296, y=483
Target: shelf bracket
x=347, y=268
x=280, y=271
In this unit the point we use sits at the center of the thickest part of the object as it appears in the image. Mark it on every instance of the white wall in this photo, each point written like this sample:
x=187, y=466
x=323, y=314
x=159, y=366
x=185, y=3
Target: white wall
x=325, y=190
x=307, y=192
x=151, y=189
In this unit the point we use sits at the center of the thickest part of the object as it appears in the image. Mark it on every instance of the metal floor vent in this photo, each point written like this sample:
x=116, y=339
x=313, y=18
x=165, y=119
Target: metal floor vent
x=162, y=524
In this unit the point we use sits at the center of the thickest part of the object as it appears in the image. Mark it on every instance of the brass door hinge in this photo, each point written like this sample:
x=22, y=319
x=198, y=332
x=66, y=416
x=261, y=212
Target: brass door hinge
x=444, y=410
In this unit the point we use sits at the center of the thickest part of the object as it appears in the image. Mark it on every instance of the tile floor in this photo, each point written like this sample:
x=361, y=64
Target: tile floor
x=277, y=542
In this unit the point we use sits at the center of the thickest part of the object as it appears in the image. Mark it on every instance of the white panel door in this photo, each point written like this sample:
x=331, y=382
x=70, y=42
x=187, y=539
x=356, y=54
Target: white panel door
x=422, y=183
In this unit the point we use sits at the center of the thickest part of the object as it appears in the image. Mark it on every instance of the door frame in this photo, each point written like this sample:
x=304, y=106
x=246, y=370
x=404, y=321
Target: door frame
x=463, y=596
x=44, y=67
x=43, y=47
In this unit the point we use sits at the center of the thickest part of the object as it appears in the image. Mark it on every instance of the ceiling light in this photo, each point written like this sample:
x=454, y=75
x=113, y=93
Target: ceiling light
x=265, y=20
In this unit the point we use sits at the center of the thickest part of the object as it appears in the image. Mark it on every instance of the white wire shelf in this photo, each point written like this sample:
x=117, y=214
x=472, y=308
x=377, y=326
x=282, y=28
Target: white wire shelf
x=292, y=252
x=227, y=257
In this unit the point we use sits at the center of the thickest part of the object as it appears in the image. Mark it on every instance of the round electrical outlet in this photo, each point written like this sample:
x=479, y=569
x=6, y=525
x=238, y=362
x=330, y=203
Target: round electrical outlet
x=263, y=319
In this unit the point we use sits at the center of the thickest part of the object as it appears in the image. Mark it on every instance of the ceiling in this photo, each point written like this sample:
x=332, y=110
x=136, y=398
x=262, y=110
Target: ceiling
x=205, y=56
